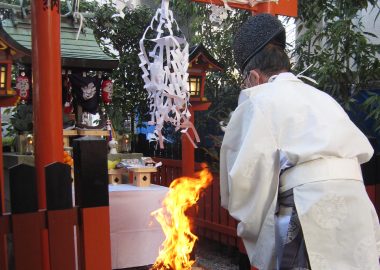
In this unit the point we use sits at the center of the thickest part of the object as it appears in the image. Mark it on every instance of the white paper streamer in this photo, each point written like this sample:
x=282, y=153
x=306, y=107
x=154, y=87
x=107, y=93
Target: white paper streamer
x=76, y=16
x=252, y=3
x=120, y=5
x=165, y=73
x=218, y=13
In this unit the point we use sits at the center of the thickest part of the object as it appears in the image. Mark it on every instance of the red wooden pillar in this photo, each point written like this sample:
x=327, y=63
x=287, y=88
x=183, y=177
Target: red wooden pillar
x=47, y=95
x=3, y=244
x=188, y=162
x=5, y=101
x=2, y=193
x=47, y=98
x=4, y=219
x=263, y=8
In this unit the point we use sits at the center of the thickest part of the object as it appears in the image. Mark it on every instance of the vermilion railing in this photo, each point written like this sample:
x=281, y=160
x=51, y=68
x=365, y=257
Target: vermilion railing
x=78, y=234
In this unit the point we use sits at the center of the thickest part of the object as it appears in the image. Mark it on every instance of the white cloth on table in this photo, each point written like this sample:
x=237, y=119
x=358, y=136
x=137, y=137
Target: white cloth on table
x=135, y=235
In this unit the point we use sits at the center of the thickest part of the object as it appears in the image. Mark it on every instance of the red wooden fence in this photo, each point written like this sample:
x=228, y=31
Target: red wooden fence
x=78, y=236
x=22, y=230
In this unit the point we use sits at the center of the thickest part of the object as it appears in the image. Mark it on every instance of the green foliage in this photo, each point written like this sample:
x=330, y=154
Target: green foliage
x=120, y=37
x=334, y=41
x=8, y=141
x=13, y=2
x=372, y=107
x=217, y=39
x=84, y=6
x=22, y=118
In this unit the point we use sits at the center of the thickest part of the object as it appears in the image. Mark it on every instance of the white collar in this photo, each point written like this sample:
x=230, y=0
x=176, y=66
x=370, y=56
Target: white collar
x=283, y=76
x=288, y=76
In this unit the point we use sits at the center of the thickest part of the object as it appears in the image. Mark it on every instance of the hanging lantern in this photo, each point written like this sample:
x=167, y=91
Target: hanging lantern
x=107, y=91
x=23, y=87
x=4, y=66
x=195, y=85
x=5, y=69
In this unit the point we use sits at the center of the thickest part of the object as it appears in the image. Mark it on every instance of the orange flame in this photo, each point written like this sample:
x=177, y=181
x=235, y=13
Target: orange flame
x=175, y=250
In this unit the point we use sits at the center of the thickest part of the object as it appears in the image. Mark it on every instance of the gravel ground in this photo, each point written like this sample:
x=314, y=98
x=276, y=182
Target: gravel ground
x=210, y=255
x=214, y=256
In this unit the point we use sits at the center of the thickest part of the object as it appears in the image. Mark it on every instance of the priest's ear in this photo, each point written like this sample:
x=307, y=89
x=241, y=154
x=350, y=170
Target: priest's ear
x=254, y=77
x=257, y=77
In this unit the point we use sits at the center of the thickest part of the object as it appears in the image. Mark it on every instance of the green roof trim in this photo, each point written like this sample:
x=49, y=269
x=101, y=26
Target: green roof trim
x=83, y=53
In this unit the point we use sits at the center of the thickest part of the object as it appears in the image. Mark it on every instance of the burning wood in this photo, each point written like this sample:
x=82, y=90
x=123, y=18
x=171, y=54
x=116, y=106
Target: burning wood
x=175, y=250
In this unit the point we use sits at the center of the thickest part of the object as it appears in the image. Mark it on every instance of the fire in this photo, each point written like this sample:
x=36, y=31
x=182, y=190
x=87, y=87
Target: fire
x=175, y=250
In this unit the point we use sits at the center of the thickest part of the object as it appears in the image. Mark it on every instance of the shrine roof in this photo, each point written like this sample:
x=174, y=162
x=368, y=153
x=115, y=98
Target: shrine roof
x=199, y=52
x=83, y=53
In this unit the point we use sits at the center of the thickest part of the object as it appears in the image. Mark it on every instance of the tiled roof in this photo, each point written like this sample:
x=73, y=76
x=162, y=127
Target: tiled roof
x=82, y=53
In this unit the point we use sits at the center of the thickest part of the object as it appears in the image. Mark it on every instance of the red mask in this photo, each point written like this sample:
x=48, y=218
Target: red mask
x=107, y=90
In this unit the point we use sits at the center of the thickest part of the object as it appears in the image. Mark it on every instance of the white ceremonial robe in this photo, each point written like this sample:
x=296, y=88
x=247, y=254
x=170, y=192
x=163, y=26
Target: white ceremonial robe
x=285, y=123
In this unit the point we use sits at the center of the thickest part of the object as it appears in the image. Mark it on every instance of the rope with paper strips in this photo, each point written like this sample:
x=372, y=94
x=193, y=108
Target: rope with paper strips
x=219, y=13
x=165, y=74
x=252, y=3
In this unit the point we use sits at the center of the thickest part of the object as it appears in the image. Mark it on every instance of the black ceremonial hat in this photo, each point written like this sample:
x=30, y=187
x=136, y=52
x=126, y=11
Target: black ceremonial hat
x=254, y=34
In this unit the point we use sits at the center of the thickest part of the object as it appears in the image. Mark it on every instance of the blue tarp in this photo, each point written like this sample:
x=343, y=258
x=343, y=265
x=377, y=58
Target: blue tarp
x=145, y=129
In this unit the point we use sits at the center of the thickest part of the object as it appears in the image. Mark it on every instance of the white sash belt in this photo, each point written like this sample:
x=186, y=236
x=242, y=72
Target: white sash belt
x=320, y=170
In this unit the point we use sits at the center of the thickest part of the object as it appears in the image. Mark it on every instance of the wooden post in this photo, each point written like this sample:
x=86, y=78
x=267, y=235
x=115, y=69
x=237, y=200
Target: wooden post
x=91, y=195
x=47, y=95
x=4, y=230
x=3, y=243
x=2, y=193
x=188, y=162
x=27, y=221
x=61, y=217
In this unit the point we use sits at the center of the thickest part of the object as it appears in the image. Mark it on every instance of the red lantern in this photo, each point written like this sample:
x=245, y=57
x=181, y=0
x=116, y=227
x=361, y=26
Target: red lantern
x=68, y=96
x=68, y=106
x=23, y=87
x=107, y=90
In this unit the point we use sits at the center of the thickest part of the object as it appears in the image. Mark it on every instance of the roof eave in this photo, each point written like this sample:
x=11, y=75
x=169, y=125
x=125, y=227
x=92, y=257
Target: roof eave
x=21, y=50
x=199, y=50
x=95, y=64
